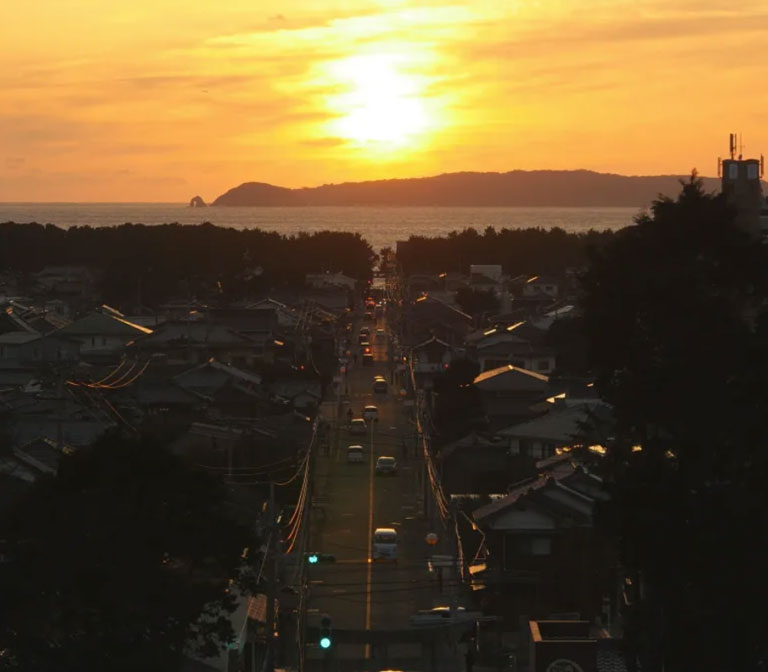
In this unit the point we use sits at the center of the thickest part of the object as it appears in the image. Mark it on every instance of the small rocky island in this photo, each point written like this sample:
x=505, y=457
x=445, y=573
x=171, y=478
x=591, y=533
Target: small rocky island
x=197, y=202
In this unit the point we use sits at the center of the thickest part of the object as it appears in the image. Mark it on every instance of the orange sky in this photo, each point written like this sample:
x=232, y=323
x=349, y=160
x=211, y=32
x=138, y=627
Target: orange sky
x=159, y=100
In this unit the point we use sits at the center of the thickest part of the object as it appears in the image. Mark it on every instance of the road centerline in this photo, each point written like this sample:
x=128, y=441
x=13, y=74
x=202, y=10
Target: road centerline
x=368, y=573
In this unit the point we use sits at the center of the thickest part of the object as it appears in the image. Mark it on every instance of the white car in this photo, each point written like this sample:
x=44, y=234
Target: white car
x=354, y=454
x=384, y=545
x=357, y=426
x=371, y=413
x=386, y=466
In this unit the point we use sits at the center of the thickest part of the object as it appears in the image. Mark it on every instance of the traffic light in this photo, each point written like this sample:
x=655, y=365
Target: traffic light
x=326, y=632
x=314, y=558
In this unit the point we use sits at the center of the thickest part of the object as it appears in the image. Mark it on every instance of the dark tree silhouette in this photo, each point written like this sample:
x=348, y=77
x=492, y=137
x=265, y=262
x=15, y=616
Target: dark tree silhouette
x=458, y=405
x=477, y=302
x=675, y=316
x=114, y=561
x=519, y=251
x=134, y=262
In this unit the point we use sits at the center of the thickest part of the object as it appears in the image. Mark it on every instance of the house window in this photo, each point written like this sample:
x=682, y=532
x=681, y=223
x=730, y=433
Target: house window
x=93, y=341
x=103, y=340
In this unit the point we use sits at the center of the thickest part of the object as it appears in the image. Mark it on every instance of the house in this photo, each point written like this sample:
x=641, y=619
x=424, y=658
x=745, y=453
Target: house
x=510, y=394
x=543, y=436
x=431, y=358
x=519, y=343
x=260, y=324
x=196, y=341
x=541, y=286
x=103, y=334
x=11, y=320
x=162, y=403
x=428, y=316
x=479, y=465
x=544, y=555
x=232, y=391
x=66, y=418
x=287, y=317
x=75, y=281
x=303, y=394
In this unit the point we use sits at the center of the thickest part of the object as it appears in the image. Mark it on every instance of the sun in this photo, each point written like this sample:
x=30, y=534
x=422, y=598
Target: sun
x=381, y=102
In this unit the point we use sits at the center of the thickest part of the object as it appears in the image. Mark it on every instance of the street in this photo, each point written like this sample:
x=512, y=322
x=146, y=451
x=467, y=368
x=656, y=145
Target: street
x=350, y=502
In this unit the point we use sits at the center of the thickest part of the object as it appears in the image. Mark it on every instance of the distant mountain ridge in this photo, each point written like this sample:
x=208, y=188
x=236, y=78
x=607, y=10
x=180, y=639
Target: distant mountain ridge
x=576, y=188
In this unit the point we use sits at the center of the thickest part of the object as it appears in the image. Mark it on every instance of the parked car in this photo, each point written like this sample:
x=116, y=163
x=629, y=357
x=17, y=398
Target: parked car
x=386, y=466
x=357, y=426
x=371, y=413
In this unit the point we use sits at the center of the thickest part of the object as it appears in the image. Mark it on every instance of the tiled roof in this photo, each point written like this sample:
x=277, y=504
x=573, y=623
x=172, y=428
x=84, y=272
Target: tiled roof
x=506, y=370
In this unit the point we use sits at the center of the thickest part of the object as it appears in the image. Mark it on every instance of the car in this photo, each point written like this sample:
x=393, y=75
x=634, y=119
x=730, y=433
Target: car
x=357, y=426
x=367, y=359
x=381, y=336
x=379, y=384
x=384, y=544
x=363, y=338
x=365, y=346
x=355, y=454
x=370, y=412
x=386, y=465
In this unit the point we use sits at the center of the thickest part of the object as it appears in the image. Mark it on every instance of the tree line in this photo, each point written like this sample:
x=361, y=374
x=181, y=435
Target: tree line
x=157, y=262
x=519, y=251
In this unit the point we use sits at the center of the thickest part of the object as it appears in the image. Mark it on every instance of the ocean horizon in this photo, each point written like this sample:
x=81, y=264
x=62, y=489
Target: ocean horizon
x=381, y=226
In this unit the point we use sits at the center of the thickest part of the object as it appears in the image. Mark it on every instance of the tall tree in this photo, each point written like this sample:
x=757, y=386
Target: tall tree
x=674, y=310
x=121, y=562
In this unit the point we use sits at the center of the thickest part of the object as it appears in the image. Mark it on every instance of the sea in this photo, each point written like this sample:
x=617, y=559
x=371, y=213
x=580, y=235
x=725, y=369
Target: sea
x=380, y=226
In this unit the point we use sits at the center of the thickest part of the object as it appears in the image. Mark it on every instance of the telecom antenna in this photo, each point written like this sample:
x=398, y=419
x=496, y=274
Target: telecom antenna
x=732, y=145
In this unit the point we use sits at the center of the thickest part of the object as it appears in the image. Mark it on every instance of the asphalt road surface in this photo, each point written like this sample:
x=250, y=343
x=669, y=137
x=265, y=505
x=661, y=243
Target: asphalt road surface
x=350, y=502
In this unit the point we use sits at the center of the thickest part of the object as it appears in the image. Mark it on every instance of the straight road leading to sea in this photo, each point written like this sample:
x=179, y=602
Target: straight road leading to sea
x=350, y=502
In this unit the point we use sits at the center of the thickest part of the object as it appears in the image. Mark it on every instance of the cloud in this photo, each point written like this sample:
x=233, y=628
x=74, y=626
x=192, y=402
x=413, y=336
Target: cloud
x=325, y=142
x=15, y=162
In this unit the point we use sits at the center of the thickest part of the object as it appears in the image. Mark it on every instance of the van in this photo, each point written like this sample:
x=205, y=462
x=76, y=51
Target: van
x=354, y=454
x=384, y=544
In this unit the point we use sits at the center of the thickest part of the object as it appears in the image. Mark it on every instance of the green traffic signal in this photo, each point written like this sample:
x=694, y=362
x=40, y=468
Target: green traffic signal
x=312, y=558
x=326, y=628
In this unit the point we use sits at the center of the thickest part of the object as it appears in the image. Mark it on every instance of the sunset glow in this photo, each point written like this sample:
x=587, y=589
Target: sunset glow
x=383, y=105
x=161, y=100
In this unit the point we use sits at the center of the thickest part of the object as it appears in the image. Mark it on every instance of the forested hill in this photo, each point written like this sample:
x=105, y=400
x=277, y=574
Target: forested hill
x=516, y=188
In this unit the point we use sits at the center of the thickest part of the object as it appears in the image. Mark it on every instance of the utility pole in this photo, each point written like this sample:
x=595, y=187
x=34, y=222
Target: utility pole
x=273, y=573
